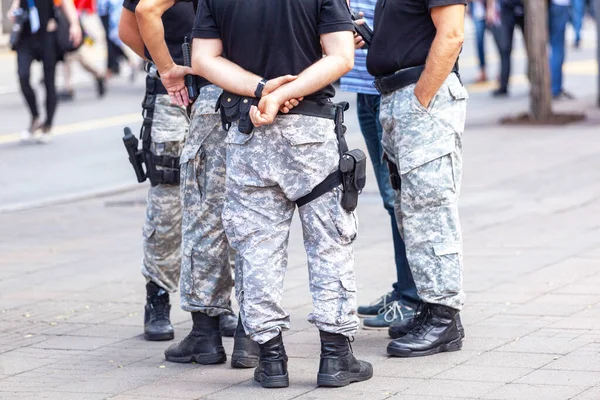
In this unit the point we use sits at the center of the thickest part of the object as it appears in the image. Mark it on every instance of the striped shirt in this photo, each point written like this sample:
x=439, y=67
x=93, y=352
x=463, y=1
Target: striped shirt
x=358, y=80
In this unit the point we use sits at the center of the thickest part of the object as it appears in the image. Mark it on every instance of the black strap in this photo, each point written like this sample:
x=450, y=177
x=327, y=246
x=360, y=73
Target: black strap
x=331, y=182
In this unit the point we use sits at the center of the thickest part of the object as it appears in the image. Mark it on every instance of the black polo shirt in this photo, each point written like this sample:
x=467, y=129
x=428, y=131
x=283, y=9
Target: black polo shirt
x=178, y=22
x=403, y=34
x=272, y=38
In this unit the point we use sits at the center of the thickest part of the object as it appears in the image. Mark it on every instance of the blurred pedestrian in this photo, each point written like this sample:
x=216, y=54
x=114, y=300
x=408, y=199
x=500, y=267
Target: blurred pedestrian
x=109, y=12
x=414, y=57
x=39, y=42
x=399, y=304
x=482, y=22
x=512, y=13
x=578, y=11
x=559, y=16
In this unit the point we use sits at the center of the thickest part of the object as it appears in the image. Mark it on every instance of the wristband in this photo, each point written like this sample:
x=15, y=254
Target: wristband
x=260, y=87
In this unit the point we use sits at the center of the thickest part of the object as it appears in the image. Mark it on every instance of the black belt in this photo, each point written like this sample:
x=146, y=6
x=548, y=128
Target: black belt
x=313, y=108
x=402, y=78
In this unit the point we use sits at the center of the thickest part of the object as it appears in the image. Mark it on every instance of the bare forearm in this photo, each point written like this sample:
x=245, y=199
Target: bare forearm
x=129, y=33
x=226, y=74
x=440, y=62
x=70, y=11
x=317, y=76
x=152, y=31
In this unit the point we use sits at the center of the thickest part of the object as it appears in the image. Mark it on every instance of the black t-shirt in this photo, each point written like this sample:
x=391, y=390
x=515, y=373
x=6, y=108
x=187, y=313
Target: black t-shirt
x=45, y=11
x=403, y=34
x=272, y=38
x=178, y=22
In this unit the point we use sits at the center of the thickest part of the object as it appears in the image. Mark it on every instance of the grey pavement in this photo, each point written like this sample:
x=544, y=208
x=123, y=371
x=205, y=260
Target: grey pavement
x=71, y=292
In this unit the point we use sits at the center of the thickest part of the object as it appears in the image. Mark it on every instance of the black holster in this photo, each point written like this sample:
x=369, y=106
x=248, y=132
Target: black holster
x=352, y=168
x=169, y=166
x=395, y=179
x=233, y=108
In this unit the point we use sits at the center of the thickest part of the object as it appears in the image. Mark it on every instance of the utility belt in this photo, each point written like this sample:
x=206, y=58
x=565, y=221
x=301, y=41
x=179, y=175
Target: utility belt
x=351, y=173
x=402, y=78
x=169, y=171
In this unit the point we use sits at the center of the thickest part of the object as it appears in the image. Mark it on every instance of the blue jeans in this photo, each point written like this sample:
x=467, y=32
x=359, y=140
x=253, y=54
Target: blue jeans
x=368, y=118
x=511, y=15
x=559, y=16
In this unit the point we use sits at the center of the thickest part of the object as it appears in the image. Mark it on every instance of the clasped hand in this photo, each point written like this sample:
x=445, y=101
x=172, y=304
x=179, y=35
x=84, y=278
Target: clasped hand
x=273, y=101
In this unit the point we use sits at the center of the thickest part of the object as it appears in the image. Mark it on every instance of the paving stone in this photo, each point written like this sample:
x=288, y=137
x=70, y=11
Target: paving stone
x=590, y=394
x=327, y=394
x=11, y=365
x=576, y=362
x=100, y=385
x=484, y=374
x=559, y=377
x=517, y=391
x=547, y=346
x=176, y=388
x=74, y=342
x=251, y=390
x=441, y=387
x=511, y=360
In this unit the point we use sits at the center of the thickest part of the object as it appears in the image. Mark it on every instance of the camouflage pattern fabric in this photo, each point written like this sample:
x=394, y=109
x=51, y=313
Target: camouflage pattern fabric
x=162, y=228
x=267, y=171
x=426, y=144
x=206, y=280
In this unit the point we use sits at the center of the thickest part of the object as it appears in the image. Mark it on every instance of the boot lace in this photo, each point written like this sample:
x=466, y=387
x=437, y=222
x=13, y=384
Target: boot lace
x=383, y=299
x=421, y=329
x=159, y=307
x=392, y=311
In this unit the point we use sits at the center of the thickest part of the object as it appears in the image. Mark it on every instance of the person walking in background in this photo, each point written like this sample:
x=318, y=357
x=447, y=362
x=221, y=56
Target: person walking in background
x=512, y=13
x=578, y=9
x=398, y=304
x=38, y=42
x=110, y=13
x=559, y=16
x=482, y=21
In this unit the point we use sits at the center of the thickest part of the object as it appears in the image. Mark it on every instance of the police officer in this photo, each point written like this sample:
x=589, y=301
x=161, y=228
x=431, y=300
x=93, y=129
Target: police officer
x=274, y=165
x=164, y=131
x=414, y=56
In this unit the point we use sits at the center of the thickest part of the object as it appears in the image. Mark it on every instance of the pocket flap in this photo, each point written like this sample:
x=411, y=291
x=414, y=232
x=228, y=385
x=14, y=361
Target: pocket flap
x=234, y=136
x=458, y=92
x=427, y=153
x=443, y=249
x=303, y=136
x=189, y=154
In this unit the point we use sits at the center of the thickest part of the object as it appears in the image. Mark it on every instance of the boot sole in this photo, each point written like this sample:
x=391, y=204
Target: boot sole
x=159, y=337
x=204, y=359
x=271, y=382
x=342, y=378
x=366, y=315
x=241, y=359
x=454, y=345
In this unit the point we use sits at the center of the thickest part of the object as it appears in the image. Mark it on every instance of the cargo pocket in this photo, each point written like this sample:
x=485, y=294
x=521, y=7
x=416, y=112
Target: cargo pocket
x=234, y=136
x=449, y=263
x=294, y=130
x=347, y=300
x=343, y=225
x=428, y=173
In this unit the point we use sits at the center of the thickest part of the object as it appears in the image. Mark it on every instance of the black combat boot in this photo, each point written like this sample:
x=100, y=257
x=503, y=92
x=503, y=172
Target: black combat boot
x=400, y=328
x=272, y=368
x=227, y=324
x=203, y=345
x=436, y=332
x=338, y=366
x=246, y=352
x=157, y=325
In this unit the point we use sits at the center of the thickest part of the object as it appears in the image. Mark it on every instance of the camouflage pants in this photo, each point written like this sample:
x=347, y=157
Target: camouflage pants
x=426, y=145
x=267, y=171
x=162, y=229
x=206, y=280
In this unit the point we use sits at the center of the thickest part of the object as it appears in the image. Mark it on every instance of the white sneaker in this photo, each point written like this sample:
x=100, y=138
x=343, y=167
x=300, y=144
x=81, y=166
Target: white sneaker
x=29, y=134
x=45, y=136
x=26, y=136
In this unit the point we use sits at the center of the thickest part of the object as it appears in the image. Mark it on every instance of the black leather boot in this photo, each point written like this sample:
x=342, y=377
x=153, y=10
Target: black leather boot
x=157, y=325
x=436, y=332
x=338, y=366
x=203, y=345
x=246, y=352
x=400, y=328
x=272, y=368
x=227, y=324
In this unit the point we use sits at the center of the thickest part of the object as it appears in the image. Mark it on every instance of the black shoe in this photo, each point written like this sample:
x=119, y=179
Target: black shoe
x=400, y=328
x=500, y=92
x=435, y=333
x=228, y=324
x=65, y=95
x=203, y=345
x=157, y=325
x=338, y=366
x=100, y=87
x=272, y=368
x=246, y=353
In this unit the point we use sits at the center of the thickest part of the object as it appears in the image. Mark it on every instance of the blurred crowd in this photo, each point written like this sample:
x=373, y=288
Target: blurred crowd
x=501, y=17
x=56, y=32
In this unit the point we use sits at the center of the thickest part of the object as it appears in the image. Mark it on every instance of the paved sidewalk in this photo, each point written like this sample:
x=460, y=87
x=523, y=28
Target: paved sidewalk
x=71, y=295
